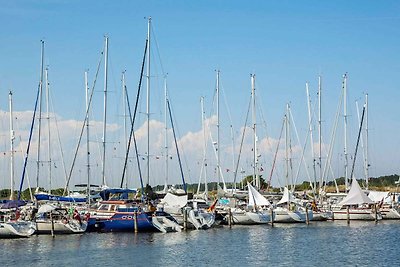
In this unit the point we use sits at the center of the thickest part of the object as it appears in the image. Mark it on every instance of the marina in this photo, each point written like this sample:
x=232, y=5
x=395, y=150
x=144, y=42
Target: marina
x=328, y=244
x=165, y=133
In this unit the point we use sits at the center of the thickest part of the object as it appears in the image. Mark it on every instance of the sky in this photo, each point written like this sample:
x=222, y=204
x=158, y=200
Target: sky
x=284, y=43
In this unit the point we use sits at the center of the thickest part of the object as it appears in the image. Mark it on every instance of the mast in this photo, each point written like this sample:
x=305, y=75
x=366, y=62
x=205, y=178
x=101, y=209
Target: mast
x=287, y=144
x=345, y=130
x=218, y=133
x=320, y=130
x=148, y=101
x=124, y=97
x=48, y=124
x=40, y=113
x=311, y=136
x=166, y=134
x=366, y=142
x=103, y=172
x=204, y=146
x=87, y=137
x=12, y=137
x=256, y=177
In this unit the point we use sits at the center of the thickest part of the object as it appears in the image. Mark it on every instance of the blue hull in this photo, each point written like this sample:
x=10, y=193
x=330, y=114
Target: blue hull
x=123, y=222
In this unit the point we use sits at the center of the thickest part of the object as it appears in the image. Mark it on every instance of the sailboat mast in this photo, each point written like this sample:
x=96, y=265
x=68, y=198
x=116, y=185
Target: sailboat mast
x=103, y=172
x=366, y=142
x=166, y=134
x=311, y=136
x=320, y=129
x=287, y=144
x=148, y=101
x=48, y=124
x=255, y=156
x=204, y=146
x=12, y=137
x=124, y=99
x=218, y=132
x=345, y=130
x=87, y=137
x=40, y=113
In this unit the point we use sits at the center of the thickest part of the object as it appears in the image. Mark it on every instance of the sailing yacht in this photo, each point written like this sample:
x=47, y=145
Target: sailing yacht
x=290, y=210
x=356, y=206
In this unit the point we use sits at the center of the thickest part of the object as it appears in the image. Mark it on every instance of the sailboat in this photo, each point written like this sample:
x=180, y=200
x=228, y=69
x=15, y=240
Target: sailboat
x=356, y=206
x=11, y=223
x=289, y=209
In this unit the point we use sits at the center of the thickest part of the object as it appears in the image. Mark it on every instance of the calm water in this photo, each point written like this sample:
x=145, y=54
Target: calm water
x=318, y=244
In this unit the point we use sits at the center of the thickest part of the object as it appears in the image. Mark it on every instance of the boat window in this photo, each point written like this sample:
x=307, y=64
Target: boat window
x=112, y=207
x=103, y=207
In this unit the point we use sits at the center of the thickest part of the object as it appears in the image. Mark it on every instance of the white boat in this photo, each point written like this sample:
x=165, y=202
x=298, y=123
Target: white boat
x=356, y=206
x=388, y=207
x=56, y=220
x=289, y=210
x=196, y=210
x=258, y=210
x=165, y=225
x=13, y=229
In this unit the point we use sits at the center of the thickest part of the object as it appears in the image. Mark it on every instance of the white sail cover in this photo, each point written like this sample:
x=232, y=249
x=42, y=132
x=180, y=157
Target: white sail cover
x=46, y=208
x=356, y=196
x=173, y=203
x=378, y=196
x=255, y=198
x=287, y=197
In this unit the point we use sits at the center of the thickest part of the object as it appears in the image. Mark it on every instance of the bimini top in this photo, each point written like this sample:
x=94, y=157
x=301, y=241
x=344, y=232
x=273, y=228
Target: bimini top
x=122, y=193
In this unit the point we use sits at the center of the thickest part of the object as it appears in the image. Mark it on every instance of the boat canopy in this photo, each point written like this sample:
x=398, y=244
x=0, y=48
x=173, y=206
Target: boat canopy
x=172, y=202
x=378, y=196
x=122, y=192
x=46, y=208
x=356, y=196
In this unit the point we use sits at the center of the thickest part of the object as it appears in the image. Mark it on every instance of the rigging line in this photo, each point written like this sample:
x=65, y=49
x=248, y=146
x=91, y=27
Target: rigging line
x=158, y=50
x=183, y=153
x=134, y=117
x=134, y=142
x=241, y=142
x=176, y=146
x=358, y=141
x=59, y=139
x=83, y=125
x=302, y=160
x=333, y=137
x=275, y=156
x=29, y=143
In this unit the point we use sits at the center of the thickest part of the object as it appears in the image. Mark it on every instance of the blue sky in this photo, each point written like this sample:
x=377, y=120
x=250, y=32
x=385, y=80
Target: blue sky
x=285, y=43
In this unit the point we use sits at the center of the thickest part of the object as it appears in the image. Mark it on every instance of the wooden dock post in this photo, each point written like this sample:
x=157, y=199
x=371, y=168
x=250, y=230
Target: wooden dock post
x=52, y=224
x=348, y=214
x=135, y=224
x=230, y=217
x=272, y=216
x=307, y=218
x=376, y=212
x=185, y=218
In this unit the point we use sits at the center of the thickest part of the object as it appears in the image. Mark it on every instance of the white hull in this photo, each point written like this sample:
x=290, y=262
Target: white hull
x=390, y=213
x=165, y=225
x=322, y=216
x=250, y=217
x=201, y=220
x=16, y=229
x=60, y=227
x=259, y=217
x=356, y=214
x=241, y=217
x=283, y=215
